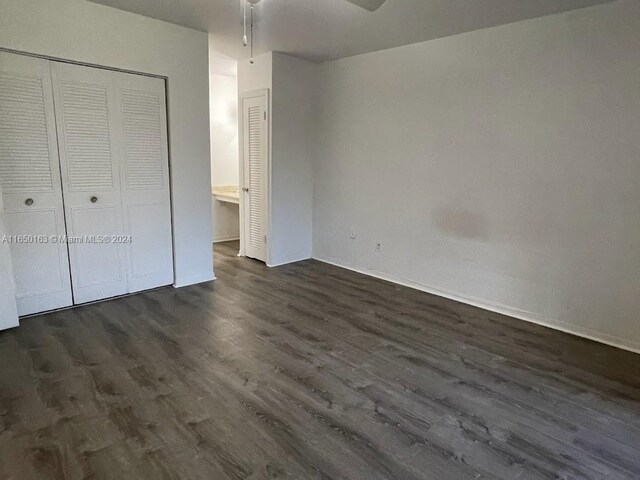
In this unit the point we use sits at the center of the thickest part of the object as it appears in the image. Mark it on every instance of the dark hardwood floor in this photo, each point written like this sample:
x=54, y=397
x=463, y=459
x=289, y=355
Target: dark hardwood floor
x=309, y=371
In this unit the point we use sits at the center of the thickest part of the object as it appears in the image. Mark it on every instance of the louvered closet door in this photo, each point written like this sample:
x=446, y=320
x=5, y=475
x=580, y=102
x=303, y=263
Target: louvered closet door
x=142, y=126
x=89, y=157
x=254, y=111
x=30, y=179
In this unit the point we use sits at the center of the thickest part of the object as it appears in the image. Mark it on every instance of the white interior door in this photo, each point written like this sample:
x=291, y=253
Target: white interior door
x=31, y=189
x=142, y=126
x=89, y=157
x=255, y=175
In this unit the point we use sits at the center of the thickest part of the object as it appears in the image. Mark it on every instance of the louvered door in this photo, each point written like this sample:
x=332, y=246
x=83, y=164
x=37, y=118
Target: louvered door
x=89, y=157
x=30, y=179
x=142, y=126
x=254, y=118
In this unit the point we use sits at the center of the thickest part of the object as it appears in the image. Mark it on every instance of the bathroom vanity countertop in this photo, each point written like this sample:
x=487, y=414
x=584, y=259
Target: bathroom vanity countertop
x=227, y=193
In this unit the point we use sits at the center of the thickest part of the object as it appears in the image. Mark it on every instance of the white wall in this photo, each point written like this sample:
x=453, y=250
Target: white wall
x=223, y=102
x=499, y=167
x=8, y=309
x=226, y=221
x=86, y=32
x=224, y=129
x=294, y=132
x=256, y=76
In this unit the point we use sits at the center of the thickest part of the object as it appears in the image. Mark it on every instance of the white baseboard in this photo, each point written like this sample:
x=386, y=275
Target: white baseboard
x=272, y=265
x=225, y=239
x=185, y=282
x=531, y=317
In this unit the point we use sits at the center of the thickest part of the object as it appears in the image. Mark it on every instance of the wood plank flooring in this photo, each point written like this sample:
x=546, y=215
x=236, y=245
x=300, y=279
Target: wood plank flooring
x=309, y=371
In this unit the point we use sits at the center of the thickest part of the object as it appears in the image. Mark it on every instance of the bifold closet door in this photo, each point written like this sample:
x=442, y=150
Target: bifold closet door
x=30, y=179
x=85, y=104
x=112, y=129
x=142, y=126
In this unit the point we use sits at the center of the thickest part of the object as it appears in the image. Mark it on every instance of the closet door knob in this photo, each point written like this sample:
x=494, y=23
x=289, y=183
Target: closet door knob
x=28, y=202
x=94, y=199
x=245, y=189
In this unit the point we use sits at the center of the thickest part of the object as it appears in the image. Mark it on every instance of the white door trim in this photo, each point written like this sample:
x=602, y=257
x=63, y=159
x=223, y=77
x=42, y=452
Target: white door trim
x=267, y=207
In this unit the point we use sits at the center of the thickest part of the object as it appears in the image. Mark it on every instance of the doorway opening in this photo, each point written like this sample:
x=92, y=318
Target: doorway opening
x=239, y=161
x=225, y=152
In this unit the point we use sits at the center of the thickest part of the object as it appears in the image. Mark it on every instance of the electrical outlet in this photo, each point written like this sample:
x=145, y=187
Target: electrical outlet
x=378, y=247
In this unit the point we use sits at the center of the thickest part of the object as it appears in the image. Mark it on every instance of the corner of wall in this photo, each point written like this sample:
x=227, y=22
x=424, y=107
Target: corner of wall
x=8, y=307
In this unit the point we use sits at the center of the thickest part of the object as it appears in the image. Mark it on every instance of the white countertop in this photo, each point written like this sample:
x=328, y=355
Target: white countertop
x=227, y=193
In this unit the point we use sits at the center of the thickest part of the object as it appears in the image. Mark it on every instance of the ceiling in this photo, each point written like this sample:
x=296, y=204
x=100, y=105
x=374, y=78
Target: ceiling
x=320, y=30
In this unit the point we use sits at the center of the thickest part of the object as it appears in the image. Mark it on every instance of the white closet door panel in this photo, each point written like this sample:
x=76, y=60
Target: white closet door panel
x=30, y=180
x=96, y=272
x=255, y=175
x=32, y=281
x=145, y=181
x=90, y=150
x=144, y=146
x=89, y=155
x=151, y=260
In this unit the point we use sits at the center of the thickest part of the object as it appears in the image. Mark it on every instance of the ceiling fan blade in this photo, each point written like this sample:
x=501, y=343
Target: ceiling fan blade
x=371, y=5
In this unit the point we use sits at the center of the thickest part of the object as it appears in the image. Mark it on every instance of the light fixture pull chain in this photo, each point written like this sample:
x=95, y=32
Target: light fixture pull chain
x=251, y=59
x=244, y=23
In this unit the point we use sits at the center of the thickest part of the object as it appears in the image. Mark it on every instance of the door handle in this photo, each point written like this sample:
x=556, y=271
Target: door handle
x=245, y=189
x=28, y=202
x=94, y=199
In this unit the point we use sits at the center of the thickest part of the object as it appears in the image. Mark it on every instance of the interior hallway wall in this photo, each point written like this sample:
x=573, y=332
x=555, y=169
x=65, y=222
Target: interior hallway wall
x=294, y=122
x=499, y=167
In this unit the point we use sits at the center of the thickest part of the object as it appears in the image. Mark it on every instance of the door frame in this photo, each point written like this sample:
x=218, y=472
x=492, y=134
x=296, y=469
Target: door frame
x=266, y=93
